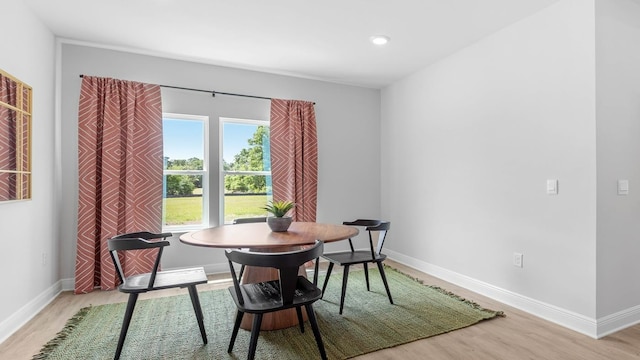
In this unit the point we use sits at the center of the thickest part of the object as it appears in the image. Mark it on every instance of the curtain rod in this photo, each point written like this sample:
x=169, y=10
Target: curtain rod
x=213, y=92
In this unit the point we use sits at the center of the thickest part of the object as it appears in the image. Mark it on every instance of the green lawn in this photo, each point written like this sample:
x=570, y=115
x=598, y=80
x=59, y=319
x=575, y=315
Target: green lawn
x=244, y=206
x=187, y=210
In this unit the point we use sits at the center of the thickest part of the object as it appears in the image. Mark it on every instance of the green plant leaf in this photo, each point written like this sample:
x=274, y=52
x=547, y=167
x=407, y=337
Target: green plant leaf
x=279, y=208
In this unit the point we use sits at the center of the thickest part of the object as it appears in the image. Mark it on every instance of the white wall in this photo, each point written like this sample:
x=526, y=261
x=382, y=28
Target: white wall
x=348, y=121
x=29, y=228
x=618, y=155
x=467, y=147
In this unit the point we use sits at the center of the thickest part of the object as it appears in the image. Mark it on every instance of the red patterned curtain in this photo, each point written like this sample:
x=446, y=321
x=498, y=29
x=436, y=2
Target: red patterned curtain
x=294, y=156
x=120, y=175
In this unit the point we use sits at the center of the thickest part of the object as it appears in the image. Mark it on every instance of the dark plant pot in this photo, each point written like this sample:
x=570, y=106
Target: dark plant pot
x=279, y=224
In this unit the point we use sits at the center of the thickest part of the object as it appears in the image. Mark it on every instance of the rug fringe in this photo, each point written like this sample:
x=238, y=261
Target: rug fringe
x=449, y=293
x=71, y=324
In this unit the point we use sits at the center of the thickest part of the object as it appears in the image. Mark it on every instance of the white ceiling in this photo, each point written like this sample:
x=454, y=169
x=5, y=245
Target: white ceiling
x=326, y=40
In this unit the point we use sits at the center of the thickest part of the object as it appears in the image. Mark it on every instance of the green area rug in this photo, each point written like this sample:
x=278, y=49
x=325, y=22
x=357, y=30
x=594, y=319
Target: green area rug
x=165, y=328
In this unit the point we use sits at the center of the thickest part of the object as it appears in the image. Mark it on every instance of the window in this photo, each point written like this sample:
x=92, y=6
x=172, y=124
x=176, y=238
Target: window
x=185, y=202
x=246, y=168
x=15, y=138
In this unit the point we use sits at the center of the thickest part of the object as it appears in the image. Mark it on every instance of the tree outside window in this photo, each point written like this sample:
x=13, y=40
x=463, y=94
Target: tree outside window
x=185, y=199
x=246, y=168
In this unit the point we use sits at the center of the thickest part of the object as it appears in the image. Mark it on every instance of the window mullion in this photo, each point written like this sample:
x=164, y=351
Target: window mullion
x=184, y=172
x=237, y=172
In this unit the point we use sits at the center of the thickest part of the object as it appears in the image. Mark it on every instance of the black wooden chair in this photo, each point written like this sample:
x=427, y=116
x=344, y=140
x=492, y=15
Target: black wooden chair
x=289, y=291
x=249, y=220
x=364, y=257
x=155, y=280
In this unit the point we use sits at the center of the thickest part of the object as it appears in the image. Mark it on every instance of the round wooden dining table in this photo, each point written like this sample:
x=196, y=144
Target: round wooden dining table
x=259, y=237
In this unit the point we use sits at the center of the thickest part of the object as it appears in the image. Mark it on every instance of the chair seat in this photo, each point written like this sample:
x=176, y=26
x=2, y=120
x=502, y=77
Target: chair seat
x=165, y=280
x=350, y=258
x=265, y=296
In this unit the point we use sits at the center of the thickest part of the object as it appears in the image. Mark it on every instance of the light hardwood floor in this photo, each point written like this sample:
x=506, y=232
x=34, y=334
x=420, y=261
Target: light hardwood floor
x=516, y=336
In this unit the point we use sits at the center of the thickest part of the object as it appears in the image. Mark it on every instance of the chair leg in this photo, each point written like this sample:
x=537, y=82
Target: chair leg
x=316, y=332
x=300, y=320
x=326, y=279
x=255, y=332
x=131, y=304
x=345, y=276
x=195, y=301
x=366, y=275
x=384, y=280
x=236, y=326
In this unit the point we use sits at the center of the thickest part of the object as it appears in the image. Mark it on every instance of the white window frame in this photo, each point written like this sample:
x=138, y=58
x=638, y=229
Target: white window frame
x=204, y=173
x=222, y=171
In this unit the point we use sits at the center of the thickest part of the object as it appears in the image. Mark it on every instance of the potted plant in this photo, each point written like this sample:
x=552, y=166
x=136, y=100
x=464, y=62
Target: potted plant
x=279, y=221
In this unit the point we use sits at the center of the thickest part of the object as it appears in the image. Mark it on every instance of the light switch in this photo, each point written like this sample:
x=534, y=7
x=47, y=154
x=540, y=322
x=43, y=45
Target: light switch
x=623, y=187
x=552, y=186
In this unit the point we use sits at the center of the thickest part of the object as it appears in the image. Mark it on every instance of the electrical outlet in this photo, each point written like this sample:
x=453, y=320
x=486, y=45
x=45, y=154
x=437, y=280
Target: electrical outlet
x=517, y=260
x=44, y=258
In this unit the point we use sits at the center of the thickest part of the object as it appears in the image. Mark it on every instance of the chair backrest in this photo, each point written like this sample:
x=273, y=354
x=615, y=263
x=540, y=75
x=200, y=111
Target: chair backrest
x=287, y=264
x=382, y=229
x=250, y=220
x=372, y=226
x=137, y=241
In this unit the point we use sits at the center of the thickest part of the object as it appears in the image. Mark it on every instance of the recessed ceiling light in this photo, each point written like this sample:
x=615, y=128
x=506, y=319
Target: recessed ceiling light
x=379, y=39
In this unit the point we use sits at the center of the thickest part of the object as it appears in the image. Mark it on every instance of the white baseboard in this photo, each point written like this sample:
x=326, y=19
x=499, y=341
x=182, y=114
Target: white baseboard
x=593, y=328
x=615, y=322
x=31, y=309
x=216, y=268
x=577, y=322
x=68, y=284
x=585, y=325
x=28, y=311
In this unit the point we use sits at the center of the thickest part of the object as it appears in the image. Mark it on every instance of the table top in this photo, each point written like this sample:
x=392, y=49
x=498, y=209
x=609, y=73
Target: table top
x=260, y=236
